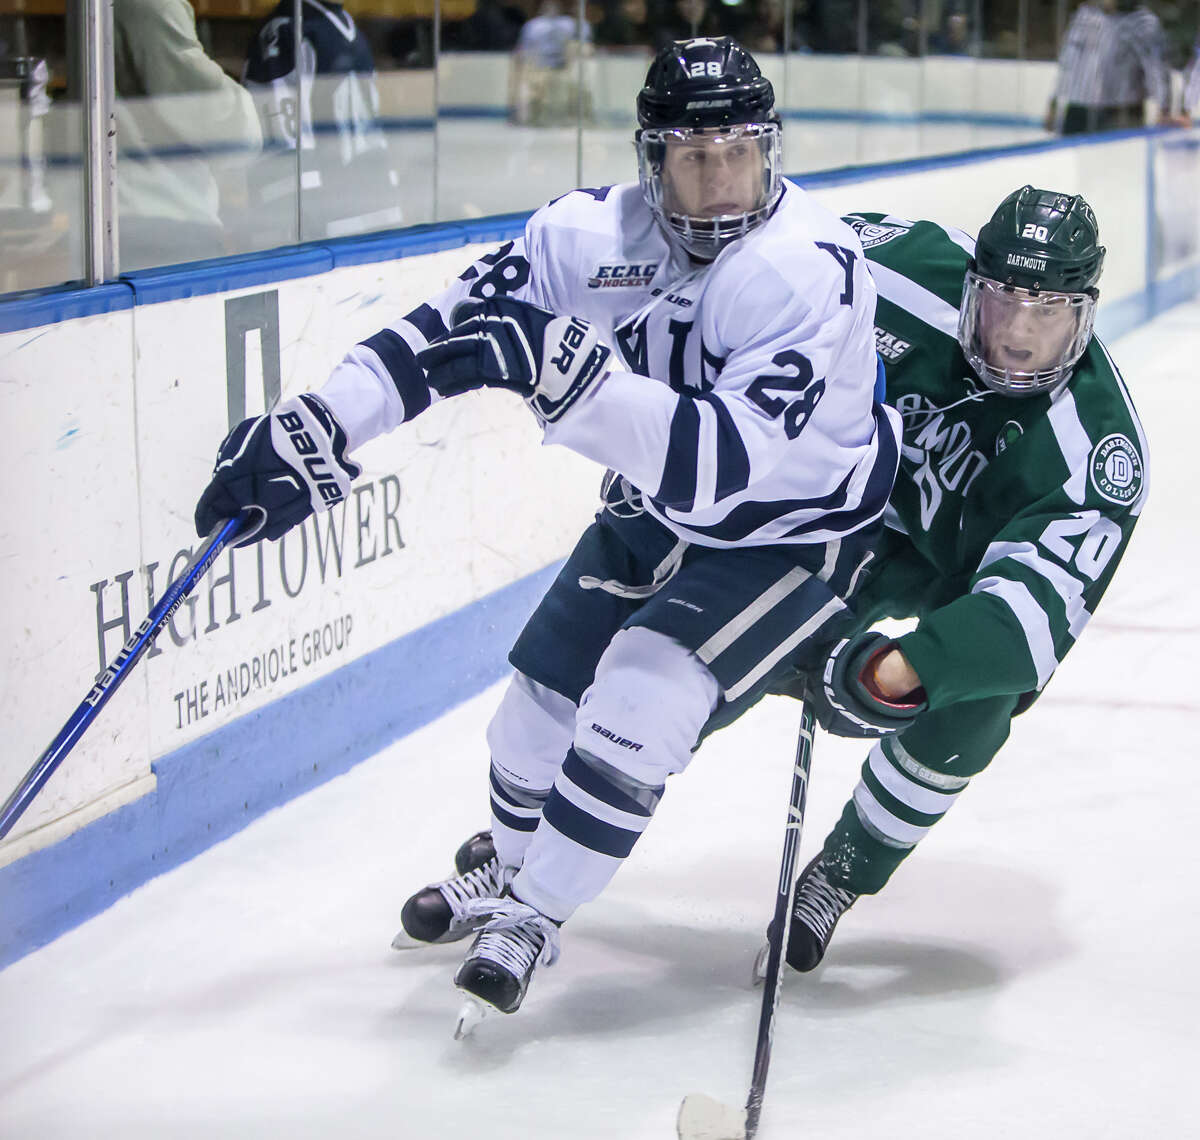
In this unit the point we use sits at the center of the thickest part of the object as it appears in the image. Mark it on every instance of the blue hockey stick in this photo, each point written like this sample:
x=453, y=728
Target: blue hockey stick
x=131, y=652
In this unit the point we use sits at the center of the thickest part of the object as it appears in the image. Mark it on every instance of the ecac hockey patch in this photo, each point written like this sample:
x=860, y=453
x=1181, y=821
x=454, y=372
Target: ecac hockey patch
x=890, y=346
x=1115, y=468
x=623, y=276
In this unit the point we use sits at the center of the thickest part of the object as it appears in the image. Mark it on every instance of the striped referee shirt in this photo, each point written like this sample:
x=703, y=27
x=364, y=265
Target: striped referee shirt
x=1113, y=59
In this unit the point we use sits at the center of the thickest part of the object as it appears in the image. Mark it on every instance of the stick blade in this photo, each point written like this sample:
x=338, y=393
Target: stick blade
x=702, y=1118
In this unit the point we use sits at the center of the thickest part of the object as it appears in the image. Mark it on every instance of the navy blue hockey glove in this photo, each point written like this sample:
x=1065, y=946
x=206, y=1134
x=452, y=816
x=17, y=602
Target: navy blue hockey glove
x=502, y=343
x=282, y=466
x=845, y=700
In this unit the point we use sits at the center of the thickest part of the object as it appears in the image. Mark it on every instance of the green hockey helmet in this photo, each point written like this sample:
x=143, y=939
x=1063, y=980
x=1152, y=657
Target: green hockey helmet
x=1029, y=298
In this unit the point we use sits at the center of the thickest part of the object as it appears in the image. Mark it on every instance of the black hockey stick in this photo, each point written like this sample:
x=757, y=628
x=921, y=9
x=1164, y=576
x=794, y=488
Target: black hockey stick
x=701, y=1117
x=131, y=652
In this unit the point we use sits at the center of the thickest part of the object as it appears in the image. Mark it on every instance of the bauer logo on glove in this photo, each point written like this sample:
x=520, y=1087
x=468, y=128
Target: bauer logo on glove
x=329, y=489
x=281, y=466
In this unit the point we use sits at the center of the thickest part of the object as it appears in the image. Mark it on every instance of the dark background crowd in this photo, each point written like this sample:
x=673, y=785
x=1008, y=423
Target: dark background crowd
x=186, y=176
x=402, y=33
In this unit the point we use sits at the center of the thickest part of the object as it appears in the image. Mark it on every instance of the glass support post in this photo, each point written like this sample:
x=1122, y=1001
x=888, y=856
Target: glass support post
x=100, y=144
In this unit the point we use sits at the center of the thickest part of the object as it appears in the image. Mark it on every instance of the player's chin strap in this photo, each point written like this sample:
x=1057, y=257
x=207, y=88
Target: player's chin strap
x=663, y=573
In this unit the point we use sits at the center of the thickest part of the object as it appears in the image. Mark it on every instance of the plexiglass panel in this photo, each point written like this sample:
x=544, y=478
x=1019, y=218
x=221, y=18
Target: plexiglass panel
x=41, y=168
x=513, y=89
x=237, y=135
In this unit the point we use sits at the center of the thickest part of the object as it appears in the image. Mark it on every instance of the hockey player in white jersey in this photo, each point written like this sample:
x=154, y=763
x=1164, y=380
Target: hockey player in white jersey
x=707, y=335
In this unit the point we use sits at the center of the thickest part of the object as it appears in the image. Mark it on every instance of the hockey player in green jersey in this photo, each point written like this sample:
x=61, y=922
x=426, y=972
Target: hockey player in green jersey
x=1023, y=472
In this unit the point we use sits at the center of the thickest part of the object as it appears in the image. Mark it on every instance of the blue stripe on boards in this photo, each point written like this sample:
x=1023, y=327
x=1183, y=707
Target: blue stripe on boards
x=678, y=487
x=206, y=791
x=587, y=830
x=21, y=311
x=590, y=780
x=402, y=366
x=220, y=275
x=733, y=464
x=38, y=307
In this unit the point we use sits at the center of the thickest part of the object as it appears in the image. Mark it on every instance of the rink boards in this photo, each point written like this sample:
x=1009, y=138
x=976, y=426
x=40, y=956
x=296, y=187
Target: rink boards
x=296, y=659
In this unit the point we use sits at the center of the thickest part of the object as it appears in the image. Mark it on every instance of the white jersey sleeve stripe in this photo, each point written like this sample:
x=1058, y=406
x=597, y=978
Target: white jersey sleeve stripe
x=1073, y=440
x=1032, y=619
x=1066, y=585
x=921, y=303
x=963, y=240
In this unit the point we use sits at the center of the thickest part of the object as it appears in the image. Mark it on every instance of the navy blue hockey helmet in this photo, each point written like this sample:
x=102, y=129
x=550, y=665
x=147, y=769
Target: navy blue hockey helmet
x=705, y=83
x=708, y=143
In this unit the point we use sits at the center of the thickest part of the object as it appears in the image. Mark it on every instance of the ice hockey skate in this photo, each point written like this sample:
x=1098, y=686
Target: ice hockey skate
x=474, y=852
x=437, y=913
x=496, y=972
x=816, y=907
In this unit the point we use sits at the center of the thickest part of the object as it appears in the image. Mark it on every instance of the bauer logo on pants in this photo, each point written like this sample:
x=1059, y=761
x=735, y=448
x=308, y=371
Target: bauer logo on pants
x=1116, y=470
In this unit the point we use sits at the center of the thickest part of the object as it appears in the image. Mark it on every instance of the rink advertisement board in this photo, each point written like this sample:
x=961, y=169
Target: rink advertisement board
x=458, y=505
x=388, y=600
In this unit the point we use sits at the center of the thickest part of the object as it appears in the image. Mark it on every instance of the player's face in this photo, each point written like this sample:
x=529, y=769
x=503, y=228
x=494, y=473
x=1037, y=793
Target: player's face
x=1025, y=332
x=710, y=176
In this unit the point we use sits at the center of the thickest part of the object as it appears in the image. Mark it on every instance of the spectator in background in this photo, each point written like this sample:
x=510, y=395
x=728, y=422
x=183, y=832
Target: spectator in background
x=954, y=36
x=684, y=21
x=1191, y=87
x=410, y=44
x=894, y=28
x=491, y=27
x=834, y=26
x=767, y=30
x=1113, y=59
x=179, y=118
x=625, y=24
x=348, y=181
x=544, y=84
x=545, y=39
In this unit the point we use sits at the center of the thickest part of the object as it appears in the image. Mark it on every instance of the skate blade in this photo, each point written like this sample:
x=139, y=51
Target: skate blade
x=471, y=1013
x=405, y=941
x=702, y=1118
x=760, y=965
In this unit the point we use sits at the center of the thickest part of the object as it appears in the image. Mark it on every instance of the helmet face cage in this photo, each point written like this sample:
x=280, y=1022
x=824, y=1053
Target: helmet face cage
x=705, y=235
x=1022, y=342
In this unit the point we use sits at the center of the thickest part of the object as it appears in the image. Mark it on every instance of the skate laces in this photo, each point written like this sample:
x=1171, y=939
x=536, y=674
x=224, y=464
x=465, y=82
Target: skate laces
x=819, y=904
x=484, y=883
x=516, y=936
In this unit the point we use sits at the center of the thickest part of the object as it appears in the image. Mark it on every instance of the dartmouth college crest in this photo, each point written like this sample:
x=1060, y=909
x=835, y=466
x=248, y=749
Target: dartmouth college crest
x=1116, y=469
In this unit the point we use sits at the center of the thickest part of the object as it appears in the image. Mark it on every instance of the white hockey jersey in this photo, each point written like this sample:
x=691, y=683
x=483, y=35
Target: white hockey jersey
x=744, y=410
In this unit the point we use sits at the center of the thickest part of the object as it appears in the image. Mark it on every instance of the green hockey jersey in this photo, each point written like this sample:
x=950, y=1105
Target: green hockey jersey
x=1009, y=515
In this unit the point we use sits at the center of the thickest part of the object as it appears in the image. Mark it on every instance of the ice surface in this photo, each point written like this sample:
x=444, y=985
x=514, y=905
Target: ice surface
x=1029, y=973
